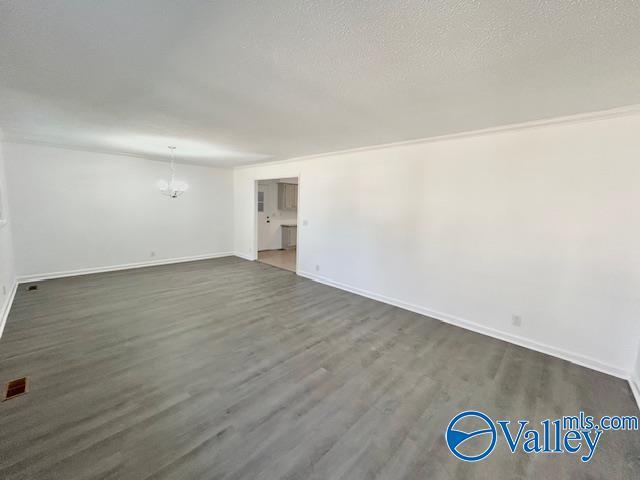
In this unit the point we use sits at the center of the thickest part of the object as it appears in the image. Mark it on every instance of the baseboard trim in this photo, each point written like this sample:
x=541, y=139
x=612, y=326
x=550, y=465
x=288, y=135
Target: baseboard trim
x=244, y=256
x=475, y=327
x=113, y=268
x=6, y=308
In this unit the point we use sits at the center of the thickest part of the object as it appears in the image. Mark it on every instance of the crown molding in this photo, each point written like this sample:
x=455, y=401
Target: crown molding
x=534, y=124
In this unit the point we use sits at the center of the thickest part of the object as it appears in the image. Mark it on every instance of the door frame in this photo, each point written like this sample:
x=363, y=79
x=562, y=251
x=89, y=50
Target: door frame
x=255, y=216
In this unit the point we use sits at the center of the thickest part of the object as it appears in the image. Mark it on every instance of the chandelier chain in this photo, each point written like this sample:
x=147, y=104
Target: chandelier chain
x=172, y=188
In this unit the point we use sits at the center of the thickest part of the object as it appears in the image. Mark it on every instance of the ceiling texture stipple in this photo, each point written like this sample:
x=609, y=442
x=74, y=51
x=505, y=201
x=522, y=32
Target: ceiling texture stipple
x=234, y=82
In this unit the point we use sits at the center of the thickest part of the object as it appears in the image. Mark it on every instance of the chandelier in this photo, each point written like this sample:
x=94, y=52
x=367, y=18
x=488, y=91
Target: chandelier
x=172, y=188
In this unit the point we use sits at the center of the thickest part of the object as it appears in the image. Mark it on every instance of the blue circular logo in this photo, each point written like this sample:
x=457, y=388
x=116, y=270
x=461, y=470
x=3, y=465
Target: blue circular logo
x=456, y=438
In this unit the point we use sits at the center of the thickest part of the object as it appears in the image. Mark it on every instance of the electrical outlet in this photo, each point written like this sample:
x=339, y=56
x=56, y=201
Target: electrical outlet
x=153, y=254
x=317, y=268
x=305, y=223
x=516, y=320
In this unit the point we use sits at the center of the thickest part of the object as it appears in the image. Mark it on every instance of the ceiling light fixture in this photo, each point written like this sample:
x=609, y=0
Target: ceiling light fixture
x=173, y=188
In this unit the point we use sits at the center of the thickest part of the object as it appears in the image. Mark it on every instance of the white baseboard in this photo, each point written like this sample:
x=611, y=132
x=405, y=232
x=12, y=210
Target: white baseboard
x=6, y=308
x=113, y=268
x=572, y=357
x=244, y=256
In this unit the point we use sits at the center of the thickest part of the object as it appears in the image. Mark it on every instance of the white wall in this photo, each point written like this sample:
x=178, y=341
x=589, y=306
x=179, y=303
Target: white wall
x=636, y=373
x=541, y=222
x=7, y=266
x=77, y=210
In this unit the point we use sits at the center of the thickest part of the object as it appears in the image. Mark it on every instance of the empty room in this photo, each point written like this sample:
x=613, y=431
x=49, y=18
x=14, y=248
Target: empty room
x=327, y=240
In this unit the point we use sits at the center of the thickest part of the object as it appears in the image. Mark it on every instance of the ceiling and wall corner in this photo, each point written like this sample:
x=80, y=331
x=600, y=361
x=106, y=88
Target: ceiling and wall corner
x=235, y=82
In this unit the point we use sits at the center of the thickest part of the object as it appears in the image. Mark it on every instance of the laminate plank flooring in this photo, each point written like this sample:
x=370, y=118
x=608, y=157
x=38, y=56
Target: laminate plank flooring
x=229, y=369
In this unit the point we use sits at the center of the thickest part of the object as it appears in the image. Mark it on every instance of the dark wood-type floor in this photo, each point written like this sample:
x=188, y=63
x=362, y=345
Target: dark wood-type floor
x=234, y=369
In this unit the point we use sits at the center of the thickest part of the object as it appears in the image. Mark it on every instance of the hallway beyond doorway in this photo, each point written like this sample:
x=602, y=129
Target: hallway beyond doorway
x=285, y=259
x=277, y=222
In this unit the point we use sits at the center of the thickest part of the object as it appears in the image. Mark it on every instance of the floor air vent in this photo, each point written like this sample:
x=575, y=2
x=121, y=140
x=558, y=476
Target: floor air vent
x=32, y=287
x=15, y=388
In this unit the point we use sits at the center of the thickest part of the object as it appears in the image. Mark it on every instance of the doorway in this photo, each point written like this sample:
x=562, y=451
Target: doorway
x=277, y=222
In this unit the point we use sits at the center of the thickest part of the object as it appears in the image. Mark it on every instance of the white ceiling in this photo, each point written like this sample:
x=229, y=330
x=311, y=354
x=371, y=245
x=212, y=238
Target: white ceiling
x=233, y=81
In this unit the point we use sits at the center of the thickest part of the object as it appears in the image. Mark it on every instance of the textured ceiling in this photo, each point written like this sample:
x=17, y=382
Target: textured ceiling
x=233, y=81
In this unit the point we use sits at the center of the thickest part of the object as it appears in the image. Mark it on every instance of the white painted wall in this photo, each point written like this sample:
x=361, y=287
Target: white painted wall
x=636, y=372
x=542, y=223
x=7, y=265
x=76, y=210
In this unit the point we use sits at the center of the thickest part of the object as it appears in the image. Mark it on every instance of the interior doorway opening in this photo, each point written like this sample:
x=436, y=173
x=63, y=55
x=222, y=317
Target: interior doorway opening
x=277, y=222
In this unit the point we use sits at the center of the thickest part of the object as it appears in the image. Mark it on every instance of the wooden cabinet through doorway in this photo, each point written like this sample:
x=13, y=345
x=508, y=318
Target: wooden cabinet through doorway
x=287, y=196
